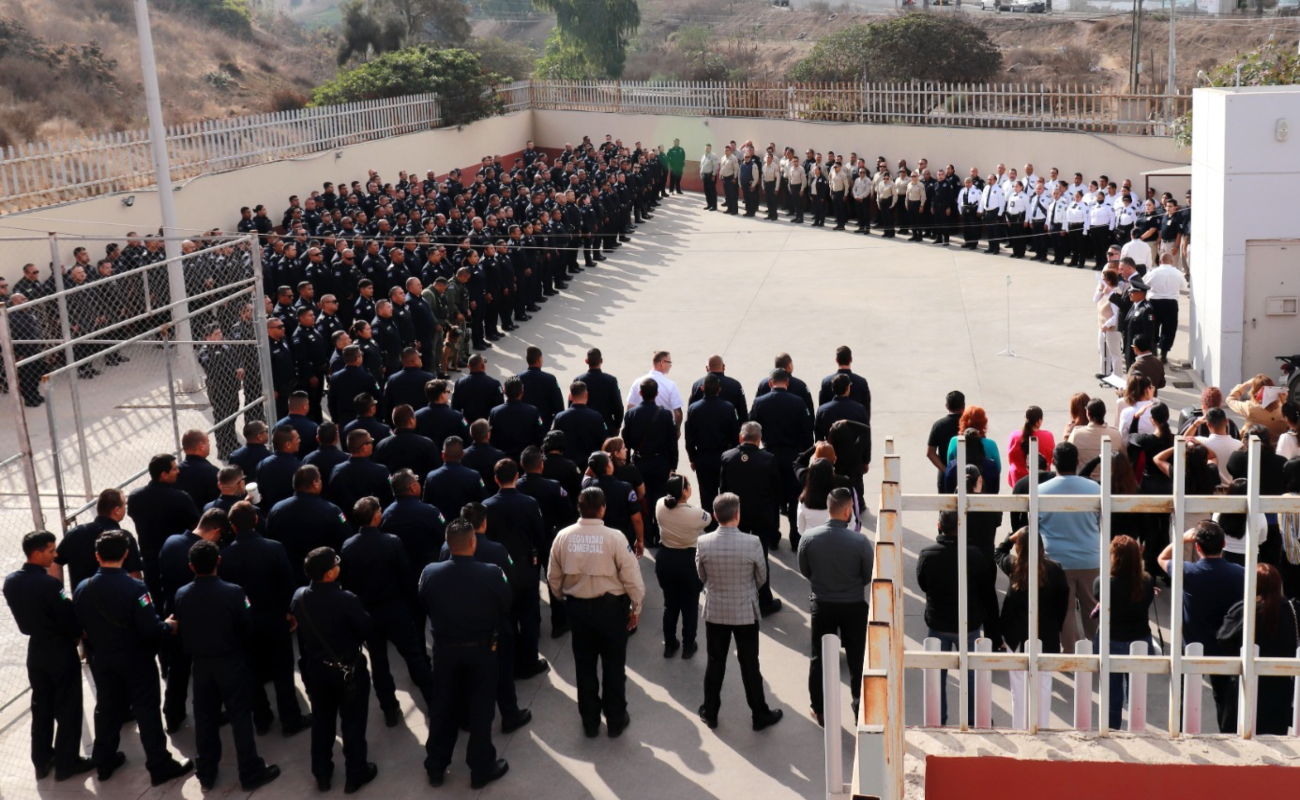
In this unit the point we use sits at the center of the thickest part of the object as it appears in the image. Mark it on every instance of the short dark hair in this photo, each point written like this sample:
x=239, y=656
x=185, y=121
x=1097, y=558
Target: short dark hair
x=505, y=471
x=281, y=437
x=649, y=389
x=843, y=355
x=204, y=556
x=578, y=389
x=37, y=541
x=532, y=355
x=590, y=501
x=474, y=513
x=160, y=465
x=1142, y=342
x=364, y=510
x=320, y=561
x=841, y=384
x=243, y=516
x=459, y=532
x=327, y=433
x=1066, y=457
x=1209, y=537
x=598, y=463
x=948, y=523
x=1097, y=410
x=955, y=401
x=402, y=480
x=305, y=476
x=109, y=501
x=514, y=388
x=214, y=519
x=112, y=545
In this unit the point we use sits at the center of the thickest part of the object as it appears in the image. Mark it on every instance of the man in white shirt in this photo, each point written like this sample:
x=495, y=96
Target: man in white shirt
x=668, y=396
x=709, y=174
x=1139, y=251
x=993, y=203
x=1215, y=422
x=729, y=171
x=1166, y=282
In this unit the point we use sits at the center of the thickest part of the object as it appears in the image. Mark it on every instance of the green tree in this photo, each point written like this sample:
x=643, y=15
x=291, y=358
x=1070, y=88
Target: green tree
x=511, y=60
x=563, y=61
x=465, y=90
x=1270, y=64
x=235, y=15
x=364, y=34
x=599, y=31
x=903, y=49
x=445, y=22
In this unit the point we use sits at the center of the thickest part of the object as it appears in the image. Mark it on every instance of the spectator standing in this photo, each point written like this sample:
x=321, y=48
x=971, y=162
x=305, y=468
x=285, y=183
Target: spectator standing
x=680, y=526
x=1131, y=592
x=1012, y=557
x=1072, y=539
x=1277, y=633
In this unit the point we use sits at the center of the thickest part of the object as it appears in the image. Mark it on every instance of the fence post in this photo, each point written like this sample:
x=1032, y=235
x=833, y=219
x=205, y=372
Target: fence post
x=171, y=392
x=69, y=355
x=259, y=320
x=1137, y=692
x=831, y=730
x=1193, y=692
x=1248, y=690
x=1103, y=617
x=1176, y=683
x=20, y=418
x=934, y=688
x=1083, y=690
x=47, y=391
x=984, y=688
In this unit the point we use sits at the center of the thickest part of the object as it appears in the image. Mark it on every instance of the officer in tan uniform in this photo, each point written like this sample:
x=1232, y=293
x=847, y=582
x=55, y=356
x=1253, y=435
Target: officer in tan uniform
x=595, y=573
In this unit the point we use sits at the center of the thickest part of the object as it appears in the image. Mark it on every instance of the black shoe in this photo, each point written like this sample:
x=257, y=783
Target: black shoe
x=624, y=238
x=591, y=731
x=174, y=724
x=689, y=649
x=1164, y=358
x=559, y=630
x=43, y=771
x=616, y=727
x=521, y=318
x=509, y=327
x=79, y=767
x=323, y=784
x=711, y=721
x=532, y=307
x=269, y=773
x=299, y=725
x=498, y=770
x=176, y=770
x=598, y=257
x=353, y=784
x=106, y=770
x=768, y=720
x=437, y=777
x=510, y=726
x=549, y=293
x=493, y=337
x=392, y=717
x=772, y=609
x=561, y=285
x=533, y=670
x=671, y=648
x=262, y=726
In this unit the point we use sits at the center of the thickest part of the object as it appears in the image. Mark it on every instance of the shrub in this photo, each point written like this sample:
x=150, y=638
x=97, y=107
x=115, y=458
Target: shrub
x=287, y=100
x=464, y=88
x=902, y=49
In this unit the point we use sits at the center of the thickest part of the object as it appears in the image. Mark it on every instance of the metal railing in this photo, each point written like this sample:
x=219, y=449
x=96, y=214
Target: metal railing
x=44, y=173
x=881, y=727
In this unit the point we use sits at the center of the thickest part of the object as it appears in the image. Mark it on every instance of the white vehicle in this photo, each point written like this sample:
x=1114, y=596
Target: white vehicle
x=995, y=5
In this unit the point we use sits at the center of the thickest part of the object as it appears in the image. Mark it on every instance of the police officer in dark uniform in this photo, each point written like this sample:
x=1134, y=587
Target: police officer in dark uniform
x=197, y=476
x=452, y=485
x=859, y=390
x=311, y=353
x=603, y=394
x=44, y=614
x=405, y=448
x=275, y=473
x=467, y=602
x=298, y=419
x=306, y=521
x=558, y=512
x=360, y=476
x=159, y=510
x=751, y=473
x=786, y=432
x=283, y=368
x=515, y=424
x=438, y=419
x=174, y=570
x=215, y=624
x=651, y=433
x=712, y=428
x=347, y=383
x=261, y=567
x=379, y=573
x=332, y=623
x=477, y=393
x=729, y=389
x=253, y=451
x=541, y=388
x=419, y=525
x=119, y=618
x=584, y=428
x=407, y=384
x=840, y=406
x=77, y=548
x=387, y=336
x=559, y=468
x=224, y=371
x=1139, y=319
x=515, y=520
x=622, y=505
x=797, y=387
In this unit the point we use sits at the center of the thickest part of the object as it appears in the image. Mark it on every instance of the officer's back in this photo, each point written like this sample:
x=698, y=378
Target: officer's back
x=275, y=473
x=712, y=428
x=306, y=521
x=787, y=423
x=215, y=619
x=603, y=393
x=833, y=411
x=730, y=390
x=359, y=476
x=583, y=426
x=515, y=520
x=159, y=509
x=41, y=609
x=76, y=549
x=452, y=485
x=406, y=449
x=515, y=424
x=375, y=568
x=649, y=429
x=751, y=473
x=118, y=614
x=463, y=597
x=261, y=566
x=439, y=420
x=541, y=388
x=419, y=525
x=477, y=393
x=332, y=623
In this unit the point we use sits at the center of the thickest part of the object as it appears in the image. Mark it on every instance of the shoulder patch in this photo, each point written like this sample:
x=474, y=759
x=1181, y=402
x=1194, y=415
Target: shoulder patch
x=631, y=496
x=63, y=594
x=342, y=518
x=145, y=600
x=246, y=603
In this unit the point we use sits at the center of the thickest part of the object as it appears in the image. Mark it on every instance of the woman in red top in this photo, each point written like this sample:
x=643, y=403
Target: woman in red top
x=1018, y=447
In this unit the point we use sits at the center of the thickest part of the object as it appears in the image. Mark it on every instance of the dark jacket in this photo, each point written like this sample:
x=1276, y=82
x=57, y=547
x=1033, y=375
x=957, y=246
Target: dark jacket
x=936, y=573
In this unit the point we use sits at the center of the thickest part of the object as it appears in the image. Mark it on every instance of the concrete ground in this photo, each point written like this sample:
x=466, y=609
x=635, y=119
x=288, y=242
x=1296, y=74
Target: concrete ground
x=921, y=319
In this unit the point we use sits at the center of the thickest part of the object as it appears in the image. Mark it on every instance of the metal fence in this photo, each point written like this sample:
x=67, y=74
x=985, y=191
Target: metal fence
x=104, y=371
x=44, y=173
x=1094, y=109
x=881, y=726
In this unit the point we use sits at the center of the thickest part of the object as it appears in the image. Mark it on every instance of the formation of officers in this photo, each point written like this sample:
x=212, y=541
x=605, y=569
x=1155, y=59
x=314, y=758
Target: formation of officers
x=348, y=536
x=1074, y=219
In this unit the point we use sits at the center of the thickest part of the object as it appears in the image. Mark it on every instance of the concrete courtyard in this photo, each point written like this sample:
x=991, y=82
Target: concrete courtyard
x=921, y=319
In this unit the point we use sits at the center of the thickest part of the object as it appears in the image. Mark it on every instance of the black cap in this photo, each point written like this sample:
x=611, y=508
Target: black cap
x=1136, y=285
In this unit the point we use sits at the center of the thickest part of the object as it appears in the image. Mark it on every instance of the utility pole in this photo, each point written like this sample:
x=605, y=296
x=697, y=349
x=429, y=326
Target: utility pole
x=187, y=366
x=1171, y=88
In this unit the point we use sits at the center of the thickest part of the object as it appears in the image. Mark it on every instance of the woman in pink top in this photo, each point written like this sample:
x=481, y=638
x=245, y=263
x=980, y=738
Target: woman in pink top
x=1018, y=447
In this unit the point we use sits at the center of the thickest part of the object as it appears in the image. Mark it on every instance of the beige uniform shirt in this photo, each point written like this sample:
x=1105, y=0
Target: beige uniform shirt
x=680, y=527
x=730, y=167
x=589, y=560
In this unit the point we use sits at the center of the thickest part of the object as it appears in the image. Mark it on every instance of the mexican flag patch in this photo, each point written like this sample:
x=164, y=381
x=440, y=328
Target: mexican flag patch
x=145, y=600
x=246, y=605
x=63, y=595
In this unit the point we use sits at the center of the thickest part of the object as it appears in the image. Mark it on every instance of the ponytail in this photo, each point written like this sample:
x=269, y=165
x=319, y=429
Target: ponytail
x=1033, y=416
x=676, y=488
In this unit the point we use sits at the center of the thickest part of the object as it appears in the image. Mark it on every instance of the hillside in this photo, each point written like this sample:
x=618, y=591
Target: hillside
x=72, y=65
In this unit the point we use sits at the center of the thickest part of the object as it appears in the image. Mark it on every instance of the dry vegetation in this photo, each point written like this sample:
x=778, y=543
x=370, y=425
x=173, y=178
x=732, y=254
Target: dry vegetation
x=68, y=66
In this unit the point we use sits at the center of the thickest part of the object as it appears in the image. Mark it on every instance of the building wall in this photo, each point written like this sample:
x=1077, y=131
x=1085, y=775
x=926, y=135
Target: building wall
x=1242, y=185
x=211, y=201
x=1092, y=154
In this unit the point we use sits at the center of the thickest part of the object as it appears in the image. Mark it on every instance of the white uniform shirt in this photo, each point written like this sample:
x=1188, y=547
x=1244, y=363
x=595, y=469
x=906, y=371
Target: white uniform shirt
x=708, y=164
x=861, y=188
x=1017, y=203
x=730, y=167
x=968, y=196
x=1059, y=210
x=770, y=171
x=1166, y=282
x=1100, y=216
x=993, y=199
x=1039, y=205
x=1076, y=213
x=668, y=396
x=1137, y=250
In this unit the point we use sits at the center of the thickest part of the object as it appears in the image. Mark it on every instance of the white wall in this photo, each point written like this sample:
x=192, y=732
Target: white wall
x=214, y=200
x=1092, y=154
x=1243, y=188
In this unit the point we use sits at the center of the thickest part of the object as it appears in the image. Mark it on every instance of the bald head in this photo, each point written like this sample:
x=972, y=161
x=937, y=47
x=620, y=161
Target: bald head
x=716, y=364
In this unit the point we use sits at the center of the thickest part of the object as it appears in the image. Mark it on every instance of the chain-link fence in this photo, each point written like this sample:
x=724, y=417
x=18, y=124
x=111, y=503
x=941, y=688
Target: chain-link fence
x=107, y=363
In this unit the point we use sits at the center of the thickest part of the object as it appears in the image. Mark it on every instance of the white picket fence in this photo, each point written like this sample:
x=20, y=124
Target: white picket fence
x=45, y=173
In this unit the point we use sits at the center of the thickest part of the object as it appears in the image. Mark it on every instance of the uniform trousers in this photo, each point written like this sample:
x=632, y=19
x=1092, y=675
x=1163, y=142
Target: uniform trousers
x=465, y=676
x=864, y=214
x=1099, y=240
x=478, y=317
x=54, y=673
x=1060, y=242
x=225, y=401
x=718, y=643
x=332, y=703
x=914, y=219
x=218, y=681
x=599, y=628
x=1039, y=228
x=768, y=539
x=885, y=214
x=675, y=182
x=526, y=615
x=1018, y=234
x=841, y=209
x=680, y=582
x=393, y=623
x=730, y=190
x=789, y=501
x=849, y=622
x=271, y=659
x=1166, y=316
x=751, y=200
x=655, y=471
x=708, y=472
x=178, y=679
x=769, y=193
x=993, y=229
x=798, y=202
x=1078, y=245
x=710, y=190
x=128, y=680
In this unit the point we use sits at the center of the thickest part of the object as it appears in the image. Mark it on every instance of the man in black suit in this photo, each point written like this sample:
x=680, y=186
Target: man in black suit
x=198, y=475
x=346, y=384
x=283, y=368
x=840, y=406
x=797, y=387
x=730, y=388
x=541, y=389
x=750, y=472
x=584, y=428
x=787, y=430
x=712, y=425
x=859, y=391
x=603, y=394
x=477, y=393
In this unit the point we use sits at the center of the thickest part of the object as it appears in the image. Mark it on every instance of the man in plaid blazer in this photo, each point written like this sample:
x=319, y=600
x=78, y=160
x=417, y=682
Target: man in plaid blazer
x=732, y=567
